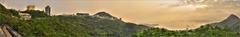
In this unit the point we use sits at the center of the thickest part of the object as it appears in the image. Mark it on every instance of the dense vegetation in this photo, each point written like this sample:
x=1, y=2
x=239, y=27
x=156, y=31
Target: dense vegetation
x=65, y=26
x=42, y=25
x=5, y=15
x=203, y=31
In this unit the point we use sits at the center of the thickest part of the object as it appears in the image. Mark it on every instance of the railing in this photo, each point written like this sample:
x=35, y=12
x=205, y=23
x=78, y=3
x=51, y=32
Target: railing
x=7, y=31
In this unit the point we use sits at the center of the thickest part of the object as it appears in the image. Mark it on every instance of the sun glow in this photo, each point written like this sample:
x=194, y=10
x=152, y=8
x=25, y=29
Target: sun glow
x=193, y=6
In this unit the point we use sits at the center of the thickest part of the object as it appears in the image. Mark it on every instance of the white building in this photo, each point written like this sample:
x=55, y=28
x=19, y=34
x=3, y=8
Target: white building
x=25, y=16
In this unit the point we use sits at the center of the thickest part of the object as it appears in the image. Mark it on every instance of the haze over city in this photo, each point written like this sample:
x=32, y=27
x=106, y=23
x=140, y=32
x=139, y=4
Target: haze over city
x=172, y=14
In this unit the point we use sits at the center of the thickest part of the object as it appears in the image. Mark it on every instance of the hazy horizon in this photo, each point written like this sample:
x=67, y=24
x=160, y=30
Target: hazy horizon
x=170, y=14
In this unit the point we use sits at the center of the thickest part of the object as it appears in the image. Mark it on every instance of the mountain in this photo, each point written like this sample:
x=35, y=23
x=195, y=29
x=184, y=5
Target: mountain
x=231, y=23
x=104, y=15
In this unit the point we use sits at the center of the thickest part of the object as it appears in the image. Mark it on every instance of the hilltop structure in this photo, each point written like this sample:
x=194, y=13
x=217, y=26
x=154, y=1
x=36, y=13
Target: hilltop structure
x=30, y=12
x=30, y=7
x=25, y=14
x=84, y=14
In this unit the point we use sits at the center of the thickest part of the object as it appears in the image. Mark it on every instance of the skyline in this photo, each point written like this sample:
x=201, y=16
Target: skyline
x=138, y=11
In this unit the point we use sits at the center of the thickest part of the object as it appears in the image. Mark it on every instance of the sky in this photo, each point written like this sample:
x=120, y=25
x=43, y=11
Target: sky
x=171, y=14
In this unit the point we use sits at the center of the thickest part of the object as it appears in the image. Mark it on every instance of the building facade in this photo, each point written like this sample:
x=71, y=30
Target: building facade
x=48, y=10
x=30, y=7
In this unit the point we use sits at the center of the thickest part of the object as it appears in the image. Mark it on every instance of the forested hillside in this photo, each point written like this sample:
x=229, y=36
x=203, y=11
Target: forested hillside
x=67, y=25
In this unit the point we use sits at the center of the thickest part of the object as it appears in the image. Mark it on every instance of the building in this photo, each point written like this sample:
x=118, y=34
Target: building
x=25, y=14
x=82, y=14
x=30, y=7
x=48, y=10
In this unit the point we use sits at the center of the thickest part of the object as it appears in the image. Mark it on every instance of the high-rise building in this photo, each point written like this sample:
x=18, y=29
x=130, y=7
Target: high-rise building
x=48, y=10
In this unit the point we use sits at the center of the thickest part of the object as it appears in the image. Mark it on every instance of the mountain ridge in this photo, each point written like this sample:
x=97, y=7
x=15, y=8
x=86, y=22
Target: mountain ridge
x=232, y=22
